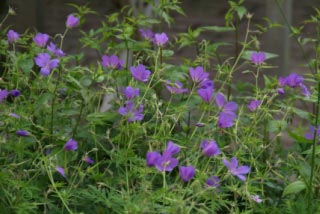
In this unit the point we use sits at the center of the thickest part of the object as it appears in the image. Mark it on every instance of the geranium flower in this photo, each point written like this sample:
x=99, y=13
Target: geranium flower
x=164, y=162
x=130, y=111
x=225, y=120
x=309, y=135
x=254, y=104
x=43, y=60
x=227, y=107
x=3, y=94
x=72, y=21
x=213, y=181
x=206, y=90
x=258, y=57
x=160, y=39
x=112, y=62
x=197, y=74
x=187, y=173
x=22, y=133
x=152, y=158
x=14, y=93
x=130, y=92
x=140, y=73
x=54, y=50
x=60, y=170
x=14, y=115
x=71, y=145
x=146, y=34
x=12, y=36
x=176, y=88
x=235, y=170
x=210, y=148
x=256, y=198
x=293, y=80
x=41, y=39
x=88, y=159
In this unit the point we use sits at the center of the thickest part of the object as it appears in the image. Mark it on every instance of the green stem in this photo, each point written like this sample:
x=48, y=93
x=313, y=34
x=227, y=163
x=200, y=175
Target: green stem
x=164, y=183
x=78, y=119
x=314, y=143
x=53, y=103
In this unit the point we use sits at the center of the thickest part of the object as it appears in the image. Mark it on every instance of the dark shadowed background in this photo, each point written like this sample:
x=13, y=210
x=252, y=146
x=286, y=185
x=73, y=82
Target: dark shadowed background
x=48, y=16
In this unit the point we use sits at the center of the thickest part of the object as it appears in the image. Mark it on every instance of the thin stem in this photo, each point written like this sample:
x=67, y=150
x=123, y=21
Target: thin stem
x=53, y=103
x=314, y=143
x=78, y=119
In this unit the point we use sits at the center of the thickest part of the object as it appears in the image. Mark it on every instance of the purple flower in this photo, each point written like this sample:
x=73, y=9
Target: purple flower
x=14, y=93
x=210, y=148
x=12, y=36
x=206, y=90
x=310, y=134
x=258, y=57
x=187, y=173
x=140, y=73
x=254, y=104
x=60, y=170
x=227, y=113
x=43, y=60
x=227, y=107
x=130, y=111
x=160, y=39
x=293, y=80
x=88, y=159
x=200, y=124
x=152, y=158
x=225, y=120
x=164, y=162
x=280, y=91
x=54, y=50
x=130, y=92
x=305, y=90
x=197, y=74
x=14, y=115
x=41, y=39
x=176, y=88
x=71, y=145
x=213, y=181
x=3, y=94
x=256, y=198
x=22, y=133
x=112, y=62
x=47, y=151
x=146, y=34
x=72, y=21
x=172, y=148
x=235, y=170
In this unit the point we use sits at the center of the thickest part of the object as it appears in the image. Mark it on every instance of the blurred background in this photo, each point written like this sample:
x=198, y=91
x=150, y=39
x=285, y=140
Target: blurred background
x=49, y=16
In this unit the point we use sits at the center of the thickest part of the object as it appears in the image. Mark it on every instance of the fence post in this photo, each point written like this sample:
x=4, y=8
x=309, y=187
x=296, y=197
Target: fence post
x=278, y=39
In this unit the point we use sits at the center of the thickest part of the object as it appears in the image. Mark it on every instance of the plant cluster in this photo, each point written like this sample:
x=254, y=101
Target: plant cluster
x=133, y=133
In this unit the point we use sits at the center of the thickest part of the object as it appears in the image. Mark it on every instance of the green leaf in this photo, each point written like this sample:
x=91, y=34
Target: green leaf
x=217, y=28
x=309, y=151
x=241, y=11
x=302, y=114
x=167, y=53
x=25, y=64
x=276, y=125
x=294, y=188
x=86, y=81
